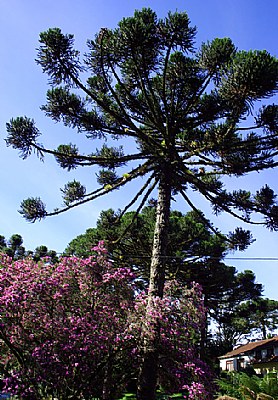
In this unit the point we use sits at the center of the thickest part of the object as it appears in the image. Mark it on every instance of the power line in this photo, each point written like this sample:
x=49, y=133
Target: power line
x=194, y=258
x=253, y=258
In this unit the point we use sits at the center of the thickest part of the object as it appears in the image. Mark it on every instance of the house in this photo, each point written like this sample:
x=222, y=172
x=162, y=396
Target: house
x=262, y=355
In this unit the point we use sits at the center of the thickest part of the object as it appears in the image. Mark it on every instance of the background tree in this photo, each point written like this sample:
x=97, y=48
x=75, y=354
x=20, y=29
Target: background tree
x=42, y=251
x=194, y=255
x=262, y=317
x=190, y=240
x=14, y=248
x=255, y=316
x=186, y=112
x=2, y=241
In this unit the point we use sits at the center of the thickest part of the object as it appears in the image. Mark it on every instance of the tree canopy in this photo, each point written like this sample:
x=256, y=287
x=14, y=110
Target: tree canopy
x=194, y=254
x=234, y=300
x=14, y=248
x=185, y=109
x=189, y=239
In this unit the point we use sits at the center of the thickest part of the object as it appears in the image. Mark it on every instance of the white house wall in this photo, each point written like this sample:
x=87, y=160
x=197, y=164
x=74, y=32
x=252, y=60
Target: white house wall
x=234, y=361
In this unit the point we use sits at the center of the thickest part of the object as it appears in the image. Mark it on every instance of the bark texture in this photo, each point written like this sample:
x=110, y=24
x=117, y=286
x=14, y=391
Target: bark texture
x=147, y=381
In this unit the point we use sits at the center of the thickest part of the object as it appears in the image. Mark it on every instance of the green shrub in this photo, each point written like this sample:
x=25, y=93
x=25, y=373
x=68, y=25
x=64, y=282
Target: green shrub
x=244, y=387
x=161, y=395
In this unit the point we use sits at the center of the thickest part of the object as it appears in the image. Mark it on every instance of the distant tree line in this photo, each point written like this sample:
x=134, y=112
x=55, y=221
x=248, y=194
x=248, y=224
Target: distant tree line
x=14, y=248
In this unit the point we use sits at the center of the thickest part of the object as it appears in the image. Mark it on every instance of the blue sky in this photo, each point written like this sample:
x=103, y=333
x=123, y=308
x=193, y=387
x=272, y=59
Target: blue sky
x=251, y=25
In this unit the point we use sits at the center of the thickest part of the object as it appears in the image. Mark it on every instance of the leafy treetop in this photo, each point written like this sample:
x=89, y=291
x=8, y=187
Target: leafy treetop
x=186, y=110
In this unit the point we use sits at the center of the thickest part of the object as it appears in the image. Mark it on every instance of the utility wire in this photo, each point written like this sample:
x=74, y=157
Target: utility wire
x=253, y=258
x=196, y=257
x=190, y=258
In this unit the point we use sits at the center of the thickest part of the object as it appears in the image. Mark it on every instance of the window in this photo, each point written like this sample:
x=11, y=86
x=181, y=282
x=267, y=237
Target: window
x=270, y=352
x=264, y=353
x=240, y=364
x=229, y=365
x=258, y=354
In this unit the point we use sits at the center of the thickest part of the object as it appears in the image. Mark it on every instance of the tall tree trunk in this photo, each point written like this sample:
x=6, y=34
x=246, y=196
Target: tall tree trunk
x=263, y=324
x=204, y=333
x=147, y=380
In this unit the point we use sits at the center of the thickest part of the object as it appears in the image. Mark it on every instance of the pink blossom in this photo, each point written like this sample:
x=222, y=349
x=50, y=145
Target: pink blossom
x=84, y=318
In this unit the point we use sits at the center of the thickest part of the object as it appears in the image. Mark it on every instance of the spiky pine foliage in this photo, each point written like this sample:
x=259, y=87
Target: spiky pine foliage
x=184, y=108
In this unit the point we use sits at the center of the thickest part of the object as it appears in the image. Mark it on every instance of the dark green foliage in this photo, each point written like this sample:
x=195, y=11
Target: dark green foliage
x=64, y=106
x=15, y=241
x=110, y=155
x=107, y=177
x=66, y=156
x=39, y=252
x=243, y=313
x=265, y=198
x=230, y=385
x=82, y=244
x=73, y=191
x=189, y=239
x=251, y=75
x=243, y=386
x=22, y=135
x=259, y=315
x=216, y=56
x=42, y=251
x=2, y=241
x=14, y=248
x=183, y=108
x=240, y=239
x=33, y=209
x=57, y=56
x=268, y=117
x=233, y=299
x=160, y=395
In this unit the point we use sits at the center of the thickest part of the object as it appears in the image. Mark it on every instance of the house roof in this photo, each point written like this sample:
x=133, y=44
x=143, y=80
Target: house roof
x=251, y=346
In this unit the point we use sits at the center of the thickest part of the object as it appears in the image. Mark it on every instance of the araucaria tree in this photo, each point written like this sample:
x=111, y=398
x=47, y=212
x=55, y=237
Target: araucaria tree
x=186, y=111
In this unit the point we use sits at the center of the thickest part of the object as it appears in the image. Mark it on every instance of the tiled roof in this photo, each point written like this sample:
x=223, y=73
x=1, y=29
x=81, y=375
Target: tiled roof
x=251, y=346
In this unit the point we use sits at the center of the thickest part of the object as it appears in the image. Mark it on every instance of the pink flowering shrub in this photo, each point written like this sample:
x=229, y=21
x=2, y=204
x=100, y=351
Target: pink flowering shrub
x=181, y=316
x=63, y=325
x=74, y=330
